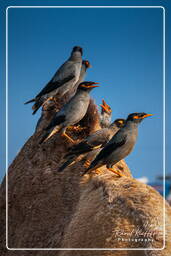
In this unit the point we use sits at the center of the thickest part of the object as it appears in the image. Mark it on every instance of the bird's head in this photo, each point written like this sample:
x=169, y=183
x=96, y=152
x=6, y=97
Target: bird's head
x=77, y=49
x=86, y=63
x=119, y=123
x=87, y=86
x=105, y=108
x=137, y=117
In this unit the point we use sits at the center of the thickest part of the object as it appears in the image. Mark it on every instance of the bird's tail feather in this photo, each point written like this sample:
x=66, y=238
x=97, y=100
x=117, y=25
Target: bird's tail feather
x=69, y=162
x=92, y=167
x=45, y=136
x=49, y=133
x=37, y=105
x=82, y=148
x=32, y=100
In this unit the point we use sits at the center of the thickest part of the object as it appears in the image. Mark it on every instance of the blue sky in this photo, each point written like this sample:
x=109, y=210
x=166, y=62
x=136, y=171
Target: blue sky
x=124, y=47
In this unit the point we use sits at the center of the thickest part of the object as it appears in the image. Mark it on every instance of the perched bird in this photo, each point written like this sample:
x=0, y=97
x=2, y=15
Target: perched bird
x=72, y=112
x=64, y=79
x=106, y=114
x=120, y=145
x=50, y=103
x=85, y=65
x=94, y=141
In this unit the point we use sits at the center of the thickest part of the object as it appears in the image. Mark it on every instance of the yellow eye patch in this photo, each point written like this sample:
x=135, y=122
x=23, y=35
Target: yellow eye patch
x=137, y=117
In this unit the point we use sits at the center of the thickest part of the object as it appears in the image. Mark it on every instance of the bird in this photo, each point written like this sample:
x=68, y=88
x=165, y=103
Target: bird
x=106, y=114
x=63, y=80
x=72, y=112
x=85, y=65
x=94, y=141
x=50, y=104
x=120, y=145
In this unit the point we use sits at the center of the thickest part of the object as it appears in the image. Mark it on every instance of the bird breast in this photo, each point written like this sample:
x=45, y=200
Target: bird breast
x=77, y=108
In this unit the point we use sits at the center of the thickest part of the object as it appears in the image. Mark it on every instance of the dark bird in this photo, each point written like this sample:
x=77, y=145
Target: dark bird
x=94, y=141
x=120, y=146
x=106, y=114
x=64, y=79
x=72, y=112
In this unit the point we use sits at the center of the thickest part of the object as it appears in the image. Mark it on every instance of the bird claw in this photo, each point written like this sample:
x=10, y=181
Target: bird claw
x=117, y=172
x=87, y=163
x=68, y=137
x=76, y=128
x=49, y=99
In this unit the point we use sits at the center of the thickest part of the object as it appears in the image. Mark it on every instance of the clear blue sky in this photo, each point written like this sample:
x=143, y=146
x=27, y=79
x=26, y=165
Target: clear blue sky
x=124, y=47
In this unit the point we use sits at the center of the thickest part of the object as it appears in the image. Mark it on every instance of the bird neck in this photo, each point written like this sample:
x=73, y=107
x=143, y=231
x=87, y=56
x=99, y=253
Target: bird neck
x=132, y=125
x=83, y=91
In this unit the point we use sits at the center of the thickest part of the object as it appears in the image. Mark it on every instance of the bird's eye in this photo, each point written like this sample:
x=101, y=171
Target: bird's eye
x=136, y=117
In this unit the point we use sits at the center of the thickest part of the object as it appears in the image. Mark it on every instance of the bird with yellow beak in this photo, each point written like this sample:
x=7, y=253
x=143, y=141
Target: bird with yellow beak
x=120, y=146
x=106, y=115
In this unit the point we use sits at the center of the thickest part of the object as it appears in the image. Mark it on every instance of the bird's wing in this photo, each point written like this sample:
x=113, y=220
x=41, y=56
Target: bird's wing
x=53, y=85
x=93, y=141
x=100, y=137
x=111, y=146
x=57, y=120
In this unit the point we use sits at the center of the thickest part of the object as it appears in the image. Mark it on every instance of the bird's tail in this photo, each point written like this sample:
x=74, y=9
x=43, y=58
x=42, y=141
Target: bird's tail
x=32, y=100
x=49, y=133
x=79, y=149
x=37, y=105
x=93, y=166
x=69, y=162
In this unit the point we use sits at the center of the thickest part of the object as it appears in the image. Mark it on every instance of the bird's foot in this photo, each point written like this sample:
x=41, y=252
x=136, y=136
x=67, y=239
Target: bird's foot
x=49, y=99
x=76, y=128
x=68, y=137
x=97, y=171
x=116, y=172
x=87, y=163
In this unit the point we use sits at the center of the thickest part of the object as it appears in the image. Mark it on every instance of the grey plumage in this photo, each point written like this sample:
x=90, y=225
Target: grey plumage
x=72, y=112
x=94, y=141
x=64, y=79
x=121, y=144
x=85, y=65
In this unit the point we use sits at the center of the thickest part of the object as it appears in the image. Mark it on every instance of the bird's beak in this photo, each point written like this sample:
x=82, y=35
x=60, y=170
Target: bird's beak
x=147, y=115
x=105, y=107
x=93, y=86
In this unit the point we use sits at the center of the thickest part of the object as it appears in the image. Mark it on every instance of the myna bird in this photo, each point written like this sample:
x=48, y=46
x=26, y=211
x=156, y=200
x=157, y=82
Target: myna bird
x=64, y=79
x=106, y=114
x=72, y=112
x=85, y=65
x=120, y=146
x=94, y=141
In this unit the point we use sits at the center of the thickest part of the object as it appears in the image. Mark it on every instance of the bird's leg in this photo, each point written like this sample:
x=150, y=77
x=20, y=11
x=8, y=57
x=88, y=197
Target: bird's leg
x=116, y=172
x=48, y=99
x=67, y=136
